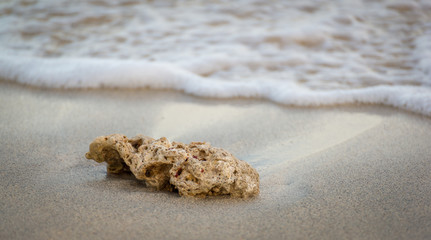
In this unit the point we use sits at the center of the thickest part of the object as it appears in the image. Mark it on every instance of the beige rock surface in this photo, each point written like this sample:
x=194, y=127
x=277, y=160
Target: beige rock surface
x=213, y=171
x=195, y=169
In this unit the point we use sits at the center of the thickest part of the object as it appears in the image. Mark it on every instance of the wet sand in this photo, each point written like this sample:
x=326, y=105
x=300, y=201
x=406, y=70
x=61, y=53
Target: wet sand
x=357, y=172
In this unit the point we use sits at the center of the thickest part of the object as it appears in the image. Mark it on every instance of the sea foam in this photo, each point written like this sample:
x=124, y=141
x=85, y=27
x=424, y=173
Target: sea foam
x=297, y=53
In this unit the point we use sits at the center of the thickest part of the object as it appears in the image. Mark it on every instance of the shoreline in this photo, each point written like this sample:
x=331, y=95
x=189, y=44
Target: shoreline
x=328, y=172
x=118, y=91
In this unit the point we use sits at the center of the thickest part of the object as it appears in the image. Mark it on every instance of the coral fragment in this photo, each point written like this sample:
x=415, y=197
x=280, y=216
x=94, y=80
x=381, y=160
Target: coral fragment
x=177, y=166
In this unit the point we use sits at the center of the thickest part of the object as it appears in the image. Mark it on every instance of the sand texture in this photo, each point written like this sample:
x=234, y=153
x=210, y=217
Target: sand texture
x=354, y=172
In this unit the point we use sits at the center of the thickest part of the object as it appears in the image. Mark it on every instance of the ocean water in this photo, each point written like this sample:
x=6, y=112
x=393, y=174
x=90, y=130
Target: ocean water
x=302, y=53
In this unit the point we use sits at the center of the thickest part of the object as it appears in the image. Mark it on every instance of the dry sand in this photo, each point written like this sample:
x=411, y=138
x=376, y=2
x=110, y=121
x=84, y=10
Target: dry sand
x=359, y=172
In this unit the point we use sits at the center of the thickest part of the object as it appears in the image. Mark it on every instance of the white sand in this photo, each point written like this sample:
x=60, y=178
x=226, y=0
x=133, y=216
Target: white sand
x=359, y=172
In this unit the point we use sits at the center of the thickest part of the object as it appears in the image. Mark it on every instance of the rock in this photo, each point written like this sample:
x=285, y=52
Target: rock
x=213, y=171
x=195, y=169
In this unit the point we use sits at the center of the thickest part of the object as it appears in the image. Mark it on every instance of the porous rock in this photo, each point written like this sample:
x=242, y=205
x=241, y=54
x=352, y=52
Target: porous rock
x=195, y=169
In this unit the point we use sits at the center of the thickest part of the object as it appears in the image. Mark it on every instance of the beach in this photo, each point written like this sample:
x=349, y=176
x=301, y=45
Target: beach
x=330, y=101
x=353, y=171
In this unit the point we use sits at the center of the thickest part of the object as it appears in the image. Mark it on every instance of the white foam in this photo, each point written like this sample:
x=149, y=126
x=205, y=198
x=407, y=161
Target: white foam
x=95, y=73
x=297, y=53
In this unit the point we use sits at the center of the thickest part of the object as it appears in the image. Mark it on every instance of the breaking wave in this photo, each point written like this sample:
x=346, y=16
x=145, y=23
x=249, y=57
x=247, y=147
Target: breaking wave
x=302, y=53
